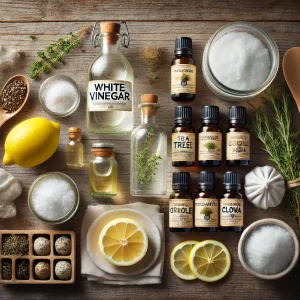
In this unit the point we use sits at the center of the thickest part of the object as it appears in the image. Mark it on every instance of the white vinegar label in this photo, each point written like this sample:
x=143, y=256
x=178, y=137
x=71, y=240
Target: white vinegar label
x=108, y=95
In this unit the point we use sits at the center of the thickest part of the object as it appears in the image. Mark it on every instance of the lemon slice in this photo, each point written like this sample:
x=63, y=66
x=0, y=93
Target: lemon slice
x=210, y=260
x=123, y=242
x=179, y=260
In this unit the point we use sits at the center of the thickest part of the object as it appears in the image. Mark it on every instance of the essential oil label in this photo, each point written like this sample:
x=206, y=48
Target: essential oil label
x=181, y=212
x=237, y=146
x=108, y=95
x=231, y=212
x=210, y=146
x=183, y=146
x=183, y=79
x=206, y=212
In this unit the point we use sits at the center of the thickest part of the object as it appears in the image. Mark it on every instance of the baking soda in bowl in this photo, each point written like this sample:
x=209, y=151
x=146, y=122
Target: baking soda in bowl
x=53, y=197
x=269, y=249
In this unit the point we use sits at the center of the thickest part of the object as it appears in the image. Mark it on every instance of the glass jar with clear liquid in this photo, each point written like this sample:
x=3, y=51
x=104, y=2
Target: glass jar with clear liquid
x=74, y=149
x=148, y=176
x=110, y=75
x=103, y=171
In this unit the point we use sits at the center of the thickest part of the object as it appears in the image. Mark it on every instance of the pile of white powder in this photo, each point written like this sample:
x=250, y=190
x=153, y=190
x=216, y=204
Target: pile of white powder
x=269, y=249
x=53, y=197
x=60, y=96
x=240, y=61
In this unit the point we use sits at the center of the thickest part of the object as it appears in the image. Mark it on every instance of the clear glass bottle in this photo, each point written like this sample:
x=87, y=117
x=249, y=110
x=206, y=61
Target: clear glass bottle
x=74, y=151
x=110, y=75
x=148, y=176
x=103, y=171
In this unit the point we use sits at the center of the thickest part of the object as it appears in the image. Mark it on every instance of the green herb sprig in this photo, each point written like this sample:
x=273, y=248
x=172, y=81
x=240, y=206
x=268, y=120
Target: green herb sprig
x=280, y=142
x=55, y=52
x=145, y=161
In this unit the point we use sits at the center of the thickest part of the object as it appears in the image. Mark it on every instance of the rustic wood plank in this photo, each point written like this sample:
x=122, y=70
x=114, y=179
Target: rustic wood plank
x=132, y=10
x=238, y=284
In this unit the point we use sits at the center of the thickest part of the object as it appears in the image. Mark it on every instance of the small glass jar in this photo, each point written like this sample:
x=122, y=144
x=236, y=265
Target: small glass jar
x=103, y=171
x=220, y=89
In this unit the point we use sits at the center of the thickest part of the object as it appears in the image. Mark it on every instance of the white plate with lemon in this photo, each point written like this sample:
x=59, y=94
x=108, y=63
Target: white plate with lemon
x=124, y=242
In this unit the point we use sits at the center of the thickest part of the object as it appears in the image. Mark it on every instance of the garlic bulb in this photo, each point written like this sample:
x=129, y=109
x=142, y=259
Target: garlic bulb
x=264, y=187
x=10, y=189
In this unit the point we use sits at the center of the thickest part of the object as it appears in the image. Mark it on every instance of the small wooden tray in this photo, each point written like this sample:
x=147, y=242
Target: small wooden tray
x=33, y=258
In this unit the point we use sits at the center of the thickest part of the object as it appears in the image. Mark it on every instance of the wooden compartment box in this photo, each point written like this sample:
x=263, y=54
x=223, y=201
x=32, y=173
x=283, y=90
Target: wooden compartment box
x=31, y=258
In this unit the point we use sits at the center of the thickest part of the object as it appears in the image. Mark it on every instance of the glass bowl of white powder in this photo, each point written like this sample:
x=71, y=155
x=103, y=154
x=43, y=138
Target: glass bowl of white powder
x=240, y=61
x=59, y=96
x=53, y=197
x=268, y=249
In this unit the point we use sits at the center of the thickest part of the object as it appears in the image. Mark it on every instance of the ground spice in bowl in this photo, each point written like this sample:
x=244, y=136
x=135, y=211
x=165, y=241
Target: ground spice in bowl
x=13, y=96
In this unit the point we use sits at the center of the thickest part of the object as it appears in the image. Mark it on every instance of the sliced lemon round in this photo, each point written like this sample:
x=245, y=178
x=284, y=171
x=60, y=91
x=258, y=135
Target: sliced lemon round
x=179, y=260
x=123, y=242
x=210, y=260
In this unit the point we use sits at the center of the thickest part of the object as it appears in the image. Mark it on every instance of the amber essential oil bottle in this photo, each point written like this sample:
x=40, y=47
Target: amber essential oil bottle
x=183, y=71
x=206, y=204
x=183, y=138
x=232, y=204
x=210, y=138
x=237, y=138
x=181, y=205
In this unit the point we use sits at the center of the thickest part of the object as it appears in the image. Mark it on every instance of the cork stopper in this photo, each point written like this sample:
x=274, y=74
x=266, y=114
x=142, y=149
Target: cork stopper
x=149, y=104
x=109, y=27
x=74, y=133
x=103, y=149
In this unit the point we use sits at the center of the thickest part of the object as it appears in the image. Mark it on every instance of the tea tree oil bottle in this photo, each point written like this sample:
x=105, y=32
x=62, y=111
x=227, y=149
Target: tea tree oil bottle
x=181, y=205
x=237, y=137
x=74, y=151
x=183, y=138
x=183, y=71
x=232, y=204
x=210, y=138
x=206, y=203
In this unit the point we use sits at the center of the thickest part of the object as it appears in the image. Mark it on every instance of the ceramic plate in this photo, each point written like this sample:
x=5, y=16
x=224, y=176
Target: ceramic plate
x=154, y=244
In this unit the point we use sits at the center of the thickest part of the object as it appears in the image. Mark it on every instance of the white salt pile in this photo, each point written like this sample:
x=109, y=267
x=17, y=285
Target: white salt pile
x=240, y=61
x=269, y=249
x=53, y=197
x=60, y=96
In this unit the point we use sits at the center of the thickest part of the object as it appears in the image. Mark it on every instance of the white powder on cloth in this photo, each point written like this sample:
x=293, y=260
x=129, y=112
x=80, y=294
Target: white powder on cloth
x=269, y=249
x=60, y=96
x=240, y=61
x=53, y=197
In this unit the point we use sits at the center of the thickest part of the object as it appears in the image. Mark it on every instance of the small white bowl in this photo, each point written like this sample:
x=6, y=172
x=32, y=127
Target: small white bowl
x=249, y=230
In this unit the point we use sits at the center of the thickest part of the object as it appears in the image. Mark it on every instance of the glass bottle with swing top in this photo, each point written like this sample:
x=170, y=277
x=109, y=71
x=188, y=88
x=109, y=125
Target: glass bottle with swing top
x=110, y=75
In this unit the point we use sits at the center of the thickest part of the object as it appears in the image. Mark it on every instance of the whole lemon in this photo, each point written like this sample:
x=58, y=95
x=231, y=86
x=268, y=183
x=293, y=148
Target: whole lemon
x=31, y=142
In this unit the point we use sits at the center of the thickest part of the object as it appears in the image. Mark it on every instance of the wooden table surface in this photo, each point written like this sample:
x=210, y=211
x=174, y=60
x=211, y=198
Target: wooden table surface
x=151, y=23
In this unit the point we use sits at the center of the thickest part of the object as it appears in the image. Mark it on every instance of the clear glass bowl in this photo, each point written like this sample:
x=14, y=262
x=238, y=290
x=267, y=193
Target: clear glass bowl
x=47, y=83
x=72, y=211
x=220, y=89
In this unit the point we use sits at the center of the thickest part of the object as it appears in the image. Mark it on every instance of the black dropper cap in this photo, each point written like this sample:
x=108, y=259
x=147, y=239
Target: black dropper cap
x=183, y=45
x=210, y=114
x=183, y=114
x=232, y=180
x=237, y=114
x=206, y=180
x=181, y=180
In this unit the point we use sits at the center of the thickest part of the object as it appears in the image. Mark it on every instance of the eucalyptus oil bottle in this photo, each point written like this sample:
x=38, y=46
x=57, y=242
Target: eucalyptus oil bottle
x=110, y=76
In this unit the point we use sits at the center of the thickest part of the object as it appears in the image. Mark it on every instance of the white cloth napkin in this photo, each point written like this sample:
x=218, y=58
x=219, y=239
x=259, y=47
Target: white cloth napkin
x=93, y=273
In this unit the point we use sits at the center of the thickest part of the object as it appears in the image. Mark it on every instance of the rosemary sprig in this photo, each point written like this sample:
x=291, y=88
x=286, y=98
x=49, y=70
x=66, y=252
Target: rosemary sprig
x=280, y=142
x=145, y=161
x=55, y=52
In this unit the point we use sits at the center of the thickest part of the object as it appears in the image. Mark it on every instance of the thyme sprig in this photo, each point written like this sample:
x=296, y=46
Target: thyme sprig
x=280, y=142
x=55, y=52
x=146, y=161
x=152, y=58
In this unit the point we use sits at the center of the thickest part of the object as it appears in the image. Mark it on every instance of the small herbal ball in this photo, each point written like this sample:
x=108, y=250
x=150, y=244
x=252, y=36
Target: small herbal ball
x=63, y=270
x=42, y=270
x=63, y=245
x=42, y=246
